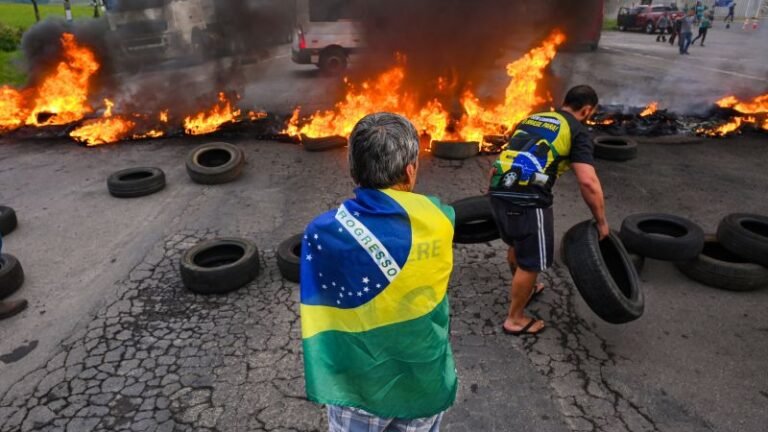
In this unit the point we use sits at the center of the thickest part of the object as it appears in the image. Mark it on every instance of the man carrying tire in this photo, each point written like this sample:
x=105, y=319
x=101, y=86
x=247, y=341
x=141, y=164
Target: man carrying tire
x=542, y=148
x=375, y=317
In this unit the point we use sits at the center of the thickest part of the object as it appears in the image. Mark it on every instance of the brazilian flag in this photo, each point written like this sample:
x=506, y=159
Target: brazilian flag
x=374, y=305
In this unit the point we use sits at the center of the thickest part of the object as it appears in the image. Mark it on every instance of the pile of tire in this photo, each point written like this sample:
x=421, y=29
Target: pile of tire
x=11, y=271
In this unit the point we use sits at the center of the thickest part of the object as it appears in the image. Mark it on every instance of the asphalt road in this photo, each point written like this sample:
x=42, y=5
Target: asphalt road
x=112, y=341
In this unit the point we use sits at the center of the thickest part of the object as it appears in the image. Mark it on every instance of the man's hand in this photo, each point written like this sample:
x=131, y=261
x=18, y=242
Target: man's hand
x=604, y=230
x=592, y=192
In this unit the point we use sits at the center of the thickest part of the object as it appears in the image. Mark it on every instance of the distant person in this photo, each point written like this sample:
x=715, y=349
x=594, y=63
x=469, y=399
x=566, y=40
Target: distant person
x=706, y=24
x=686, y=32
x=700, y=9
x=731, y=13
x=663, y=26
x=10, y=308
x=677, y=25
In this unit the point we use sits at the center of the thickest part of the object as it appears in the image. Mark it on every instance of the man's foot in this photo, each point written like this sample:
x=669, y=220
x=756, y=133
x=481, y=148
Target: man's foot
x=530, y=327
x=537, y=290
x=11, y=308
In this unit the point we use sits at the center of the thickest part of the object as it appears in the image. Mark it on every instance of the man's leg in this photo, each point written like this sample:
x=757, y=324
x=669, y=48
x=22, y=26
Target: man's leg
x=512, y=260
x=522, y=288
x=704, y=36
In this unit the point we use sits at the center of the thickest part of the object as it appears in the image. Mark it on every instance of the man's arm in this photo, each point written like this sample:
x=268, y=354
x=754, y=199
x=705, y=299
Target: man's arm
x=592, y=191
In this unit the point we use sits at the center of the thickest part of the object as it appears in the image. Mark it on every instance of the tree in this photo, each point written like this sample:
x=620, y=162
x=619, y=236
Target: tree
x=37, y=10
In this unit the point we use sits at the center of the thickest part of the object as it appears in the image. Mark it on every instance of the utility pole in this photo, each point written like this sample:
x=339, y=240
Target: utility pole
x=68, y=10
x=37, y=10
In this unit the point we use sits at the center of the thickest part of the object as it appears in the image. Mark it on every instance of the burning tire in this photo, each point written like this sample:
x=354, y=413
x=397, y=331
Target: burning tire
x=663, y=237
x=136, y=182
x=323, y=144
x=288, y=258
x=8, y=221
x=220, y=266
x=474, y=221
x=719, y=268
x=215, y=163
x=604, y=274
x=619, y=149
x=11, y=275
x=745, y=235
x=455, y=150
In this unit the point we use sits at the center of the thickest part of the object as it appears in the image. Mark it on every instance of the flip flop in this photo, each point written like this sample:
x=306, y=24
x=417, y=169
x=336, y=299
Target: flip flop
x=525, y=331
x=536, y=293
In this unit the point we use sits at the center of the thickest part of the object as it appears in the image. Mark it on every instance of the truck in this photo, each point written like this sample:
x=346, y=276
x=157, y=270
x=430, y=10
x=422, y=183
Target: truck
x=646, y=17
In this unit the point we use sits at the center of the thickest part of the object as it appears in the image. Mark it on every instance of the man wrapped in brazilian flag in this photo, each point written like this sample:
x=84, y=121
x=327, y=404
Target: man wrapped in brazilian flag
x=542, y=148
x=374, y=305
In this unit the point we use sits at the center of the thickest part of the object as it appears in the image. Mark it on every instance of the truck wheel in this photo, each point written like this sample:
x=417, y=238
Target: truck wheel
x=288, y=260
x=333, y=61
x=11, y=275
x=474, y=221
x=745, y=235
x=136, y=182
x=618, y=149
x=215, y=163
x=719, y=268
x=663, y=237
x=220, y=266
x=455, y=150
x=8, y=221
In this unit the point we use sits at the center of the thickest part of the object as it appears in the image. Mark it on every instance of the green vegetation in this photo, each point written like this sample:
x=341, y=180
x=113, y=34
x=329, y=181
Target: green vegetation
x=610, y=24
x=9, y=73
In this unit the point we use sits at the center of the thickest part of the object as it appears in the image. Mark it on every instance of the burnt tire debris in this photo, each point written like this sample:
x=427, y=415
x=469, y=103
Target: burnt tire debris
x=717, y=267
x=220, y=266
x=455, y=150
x=11, y=275
x=215, y=163
x=8, y=220
x=323, y=143
x=618, y=149
x=745, y=235
x=662, y=236
x=474, y=221
x=136, y=182
x=288, y=258
x=604, y=274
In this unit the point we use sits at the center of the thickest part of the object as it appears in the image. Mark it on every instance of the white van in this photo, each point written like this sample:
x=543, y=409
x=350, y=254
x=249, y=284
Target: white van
x=328, y=32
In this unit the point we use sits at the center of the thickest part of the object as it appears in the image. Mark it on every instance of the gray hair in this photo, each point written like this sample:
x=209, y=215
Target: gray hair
x=381, y=146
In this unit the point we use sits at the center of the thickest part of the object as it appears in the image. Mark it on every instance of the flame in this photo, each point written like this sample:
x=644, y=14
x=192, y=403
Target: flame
x=650, y=109
x=758, y=105
x=163, y=116
x=207, y=122
x=256, y=115
x=11, y=103
x=734, y=125
x=386, y=93
x=604, y=122
x=103, y=131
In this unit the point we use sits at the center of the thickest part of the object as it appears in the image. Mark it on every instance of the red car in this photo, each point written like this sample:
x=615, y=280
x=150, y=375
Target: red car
x=645, y=17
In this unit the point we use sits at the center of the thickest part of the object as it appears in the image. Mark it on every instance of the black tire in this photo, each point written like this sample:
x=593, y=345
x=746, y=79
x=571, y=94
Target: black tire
x=323, y=144
x=455, y=150
x=288, y=258
x=745, y=235
x=474, y=221
x=220, y=266
x=333, y=61
x=637, y=260
x=136, y=182
x=8, y=221
x=604, y=274
x=619, y=149
x=663, y=237
x=11, y=275
x=215, y=163
x=719, y=268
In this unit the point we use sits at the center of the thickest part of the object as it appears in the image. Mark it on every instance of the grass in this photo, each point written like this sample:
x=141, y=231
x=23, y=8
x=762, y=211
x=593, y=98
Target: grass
x=9, y=73
x=610, y=24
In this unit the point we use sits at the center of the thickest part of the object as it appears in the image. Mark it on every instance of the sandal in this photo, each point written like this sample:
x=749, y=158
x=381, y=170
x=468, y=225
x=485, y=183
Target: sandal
x=525, y=331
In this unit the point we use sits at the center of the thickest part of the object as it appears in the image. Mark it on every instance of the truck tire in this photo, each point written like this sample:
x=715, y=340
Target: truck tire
x=288, y=258
x=215, y=163
x=455, y=150
x=604, y=274
x=333, y=61
x=11, y=275
x=8, y=221
x=220, y=266
x=619, y=149
x=637, y=260
x=663, y=237
x=745, y=235
x=719, y=268
x=474, y=221
x=323, y=143
x=136, y=182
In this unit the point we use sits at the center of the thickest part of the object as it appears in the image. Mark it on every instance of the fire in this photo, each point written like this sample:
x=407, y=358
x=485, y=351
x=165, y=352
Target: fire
x=207, y=122
x=11, y=103
x=758, y=105
x=650, y=109
x=386, y=93
x=103, y=131
x=605, y=122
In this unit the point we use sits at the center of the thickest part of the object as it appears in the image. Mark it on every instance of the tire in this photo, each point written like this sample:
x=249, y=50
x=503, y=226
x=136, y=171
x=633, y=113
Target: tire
x=11, y=275
x=745, y=235
x=8, y=221
x=474, y=221
x=323, y=144
x=288, y=258
x=719, y=268
x=619, y=149
x=455, y=150
x=333, y=61
x=220, y=266
x=136, y=182
x=215, y=163
x=663, y=237
x=637, y=260
x=604, y=274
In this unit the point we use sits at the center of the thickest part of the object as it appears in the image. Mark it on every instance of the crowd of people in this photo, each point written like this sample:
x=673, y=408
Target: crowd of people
x=681, y=28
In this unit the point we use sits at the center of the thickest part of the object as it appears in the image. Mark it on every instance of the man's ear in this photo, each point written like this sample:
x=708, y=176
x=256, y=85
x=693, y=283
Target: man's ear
x=586, y=112
x=411, y=171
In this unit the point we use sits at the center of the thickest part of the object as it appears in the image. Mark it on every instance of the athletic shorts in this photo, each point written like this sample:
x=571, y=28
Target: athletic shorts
x=530, y=231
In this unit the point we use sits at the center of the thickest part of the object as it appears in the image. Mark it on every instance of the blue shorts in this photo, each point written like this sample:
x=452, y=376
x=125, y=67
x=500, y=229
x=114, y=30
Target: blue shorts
x=345, y=419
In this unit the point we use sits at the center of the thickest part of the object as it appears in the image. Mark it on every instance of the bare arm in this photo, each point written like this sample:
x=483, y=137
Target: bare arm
x=592, y=191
